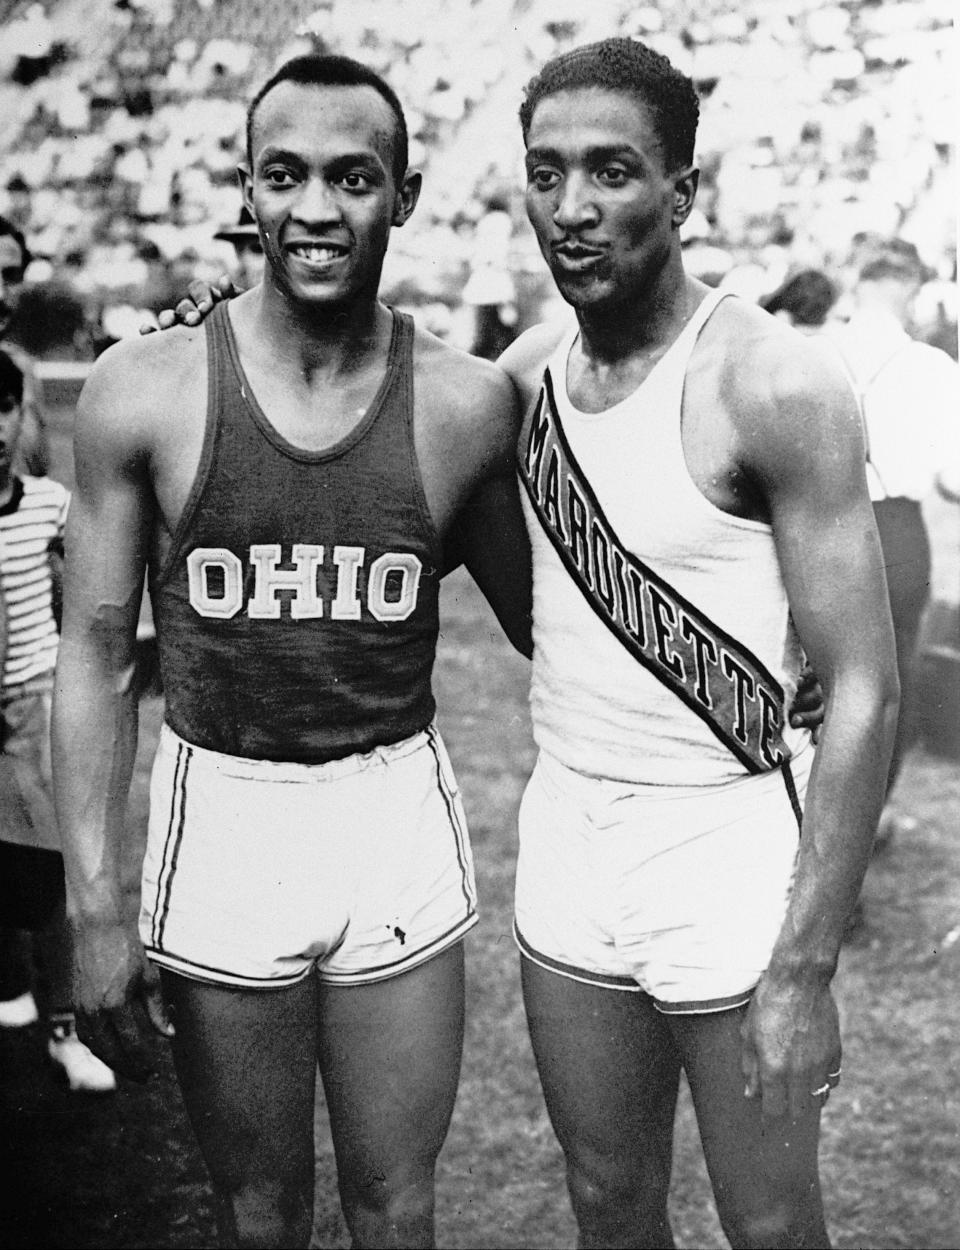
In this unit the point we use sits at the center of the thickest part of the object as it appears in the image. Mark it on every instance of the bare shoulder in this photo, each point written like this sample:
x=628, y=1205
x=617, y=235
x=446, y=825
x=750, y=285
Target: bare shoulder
x=470, y=397
x=525, y=358
x=785, y=394
x=140, y=383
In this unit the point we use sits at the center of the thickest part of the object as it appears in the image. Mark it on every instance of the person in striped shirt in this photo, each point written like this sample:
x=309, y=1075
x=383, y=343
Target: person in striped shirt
x=33, y=512
x=15, y=257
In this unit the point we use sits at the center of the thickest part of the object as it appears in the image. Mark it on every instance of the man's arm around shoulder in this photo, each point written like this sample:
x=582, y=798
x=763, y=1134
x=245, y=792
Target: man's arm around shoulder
x=487, y=534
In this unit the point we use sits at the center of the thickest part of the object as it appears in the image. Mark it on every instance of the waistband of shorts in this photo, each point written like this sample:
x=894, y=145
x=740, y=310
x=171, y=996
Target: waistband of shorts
x=41, y=684
x=800, y=762
x=294, y=770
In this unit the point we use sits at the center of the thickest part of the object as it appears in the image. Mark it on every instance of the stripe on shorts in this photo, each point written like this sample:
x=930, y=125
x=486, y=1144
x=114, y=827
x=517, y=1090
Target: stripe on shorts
x=791, y=787
x=456, y=824
x=172, y=842
x=704, y=1007
x=603, y=980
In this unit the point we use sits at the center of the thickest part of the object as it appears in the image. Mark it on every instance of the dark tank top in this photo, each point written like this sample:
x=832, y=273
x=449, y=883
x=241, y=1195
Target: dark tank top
x=296, y=611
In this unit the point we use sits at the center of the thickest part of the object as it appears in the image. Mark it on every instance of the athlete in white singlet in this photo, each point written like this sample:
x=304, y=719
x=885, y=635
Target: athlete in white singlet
x=695, y=492
x=664, y=769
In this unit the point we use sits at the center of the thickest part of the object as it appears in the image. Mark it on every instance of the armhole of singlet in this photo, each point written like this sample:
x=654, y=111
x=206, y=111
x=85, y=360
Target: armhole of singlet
x=405, y=349
x=217, y=361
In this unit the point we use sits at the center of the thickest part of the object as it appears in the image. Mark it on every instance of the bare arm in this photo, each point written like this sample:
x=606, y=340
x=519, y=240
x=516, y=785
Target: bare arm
x=94, y=734
x=474, y=492
x=490, y=538
x=808, y=457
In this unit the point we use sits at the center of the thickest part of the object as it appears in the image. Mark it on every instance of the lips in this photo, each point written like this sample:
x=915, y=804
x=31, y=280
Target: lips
x=577, y=255
x=319, y=253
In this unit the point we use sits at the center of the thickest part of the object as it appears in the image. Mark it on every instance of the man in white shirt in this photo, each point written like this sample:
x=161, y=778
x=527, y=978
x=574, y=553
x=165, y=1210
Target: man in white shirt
x=908, y=393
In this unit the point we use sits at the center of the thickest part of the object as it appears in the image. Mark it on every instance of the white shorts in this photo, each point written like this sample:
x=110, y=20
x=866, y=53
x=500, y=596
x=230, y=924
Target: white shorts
x=676, y=892
x=258, y=872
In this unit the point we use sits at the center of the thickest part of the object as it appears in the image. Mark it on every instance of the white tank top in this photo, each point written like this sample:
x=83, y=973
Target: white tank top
x=595, y=706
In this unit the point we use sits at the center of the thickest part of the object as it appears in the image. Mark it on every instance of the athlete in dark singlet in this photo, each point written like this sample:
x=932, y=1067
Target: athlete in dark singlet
x=291, y=478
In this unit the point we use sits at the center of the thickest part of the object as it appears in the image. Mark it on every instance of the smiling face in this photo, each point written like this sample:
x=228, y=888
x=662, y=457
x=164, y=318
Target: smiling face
x=605, y=208
x=11, y=280
x=322, y=191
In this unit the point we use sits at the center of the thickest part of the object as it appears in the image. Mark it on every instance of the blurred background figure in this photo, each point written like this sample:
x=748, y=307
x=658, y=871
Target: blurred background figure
x=804, y=300
x=35, y=940
x=246, y=244
x=909, y=394
x=490, y=288
x=14, y=259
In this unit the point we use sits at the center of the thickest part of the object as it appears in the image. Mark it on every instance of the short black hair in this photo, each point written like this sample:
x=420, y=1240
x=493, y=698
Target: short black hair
x=808, y=296
x=9, y=230
x=326, y=70
x=11, y=378
x=625, y=65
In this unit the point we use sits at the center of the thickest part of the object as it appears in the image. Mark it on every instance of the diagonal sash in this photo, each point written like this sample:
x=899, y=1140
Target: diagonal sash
x=719, y=679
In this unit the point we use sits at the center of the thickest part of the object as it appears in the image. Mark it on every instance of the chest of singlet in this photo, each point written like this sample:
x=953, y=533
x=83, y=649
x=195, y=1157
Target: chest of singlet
x=664, y=652
x=296, y=611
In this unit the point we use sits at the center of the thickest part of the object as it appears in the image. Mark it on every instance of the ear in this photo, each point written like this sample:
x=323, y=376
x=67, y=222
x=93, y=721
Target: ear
x=407, y=195
x=245, y=179
x=685, y=192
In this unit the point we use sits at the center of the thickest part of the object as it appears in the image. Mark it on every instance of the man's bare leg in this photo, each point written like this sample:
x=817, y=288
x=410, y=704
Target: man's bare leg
x=246, y=1061
x=390, y=1062
x=610, y=1073
x=764, y=1172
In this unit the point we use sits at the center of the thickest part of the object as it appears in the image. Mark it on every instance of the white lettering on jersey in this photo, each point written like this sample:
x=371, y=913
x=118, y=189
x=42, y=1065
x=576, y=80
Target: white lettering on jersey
x=349, y=560
x=306, y=604
x=403, y=598
x=391, y=591
x=200, y=564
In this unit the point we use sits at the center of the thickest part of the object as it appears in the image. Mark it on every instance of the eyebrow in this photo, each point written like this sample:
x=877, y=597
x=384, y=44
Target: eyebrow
x=364, y=157
x=601, y=152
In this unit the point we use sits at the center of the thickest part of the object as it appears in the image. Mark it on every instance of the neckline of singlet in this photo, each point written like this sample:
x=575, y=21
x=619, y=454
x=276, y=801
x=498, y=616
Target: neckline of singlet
x=269, y=430
x=684, y=340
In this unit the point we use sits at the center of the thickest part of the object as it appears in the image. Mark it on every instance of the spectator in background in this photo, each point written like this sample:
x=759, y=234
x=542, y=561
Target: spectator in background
x=14, y=259
x=32, y=897
x=908, y=393
x=246, y=244
x=490, y=289
x=804, y=301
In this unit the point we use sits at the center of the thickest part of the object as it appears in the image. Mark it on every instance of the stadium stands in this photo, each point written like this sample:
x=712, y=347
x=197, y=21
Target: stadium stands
x=122, y=125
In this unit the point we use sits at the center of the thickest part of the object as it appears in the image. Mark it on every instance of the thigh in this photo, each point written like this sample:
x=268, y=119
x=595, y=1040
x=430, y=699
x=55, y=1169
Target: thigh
x=390, y=1062
x=610, y=1073
x=246, y=1062
x=764, y=1172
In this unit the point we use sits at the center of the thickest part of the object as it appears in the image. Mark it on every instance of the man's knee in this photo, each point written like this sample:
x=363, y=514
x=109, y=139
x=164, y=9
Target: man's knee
x=396, y=1210
x=787, y=1223
x=618, y=1200
x=267, y=1213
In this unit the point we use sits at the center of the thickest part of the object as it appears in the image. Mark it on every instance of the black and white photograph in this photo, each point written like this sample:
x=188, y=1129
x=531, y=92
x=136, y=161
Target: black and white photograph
x=479, y=624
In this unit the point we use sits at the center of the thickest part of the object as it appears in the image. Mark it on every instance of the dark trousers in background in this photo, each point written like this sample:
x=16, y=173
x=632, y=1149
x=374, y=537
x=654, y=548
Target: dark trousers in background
x=906, y=555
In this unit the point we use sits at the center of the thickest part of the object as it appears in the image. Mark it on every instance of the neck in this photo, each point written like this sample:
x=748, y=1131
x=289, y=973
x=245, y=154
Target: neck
x=336, y=338
x=611, y=334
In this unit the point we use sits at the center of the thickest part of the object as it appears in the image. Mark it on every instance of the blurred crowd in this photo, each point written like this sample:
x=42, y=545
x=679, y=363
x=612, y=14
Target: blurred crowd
x=121, y=126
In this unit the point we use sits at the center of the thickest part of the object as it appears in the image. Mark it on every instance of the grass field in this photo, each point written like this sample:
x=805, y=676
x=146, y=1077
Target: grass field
x=124, y=1172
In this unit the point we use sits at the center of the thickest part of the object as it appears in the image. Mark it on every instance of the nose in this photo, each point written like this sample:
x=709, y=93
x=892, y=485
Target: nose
x=576, y=207
x=317, y=202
